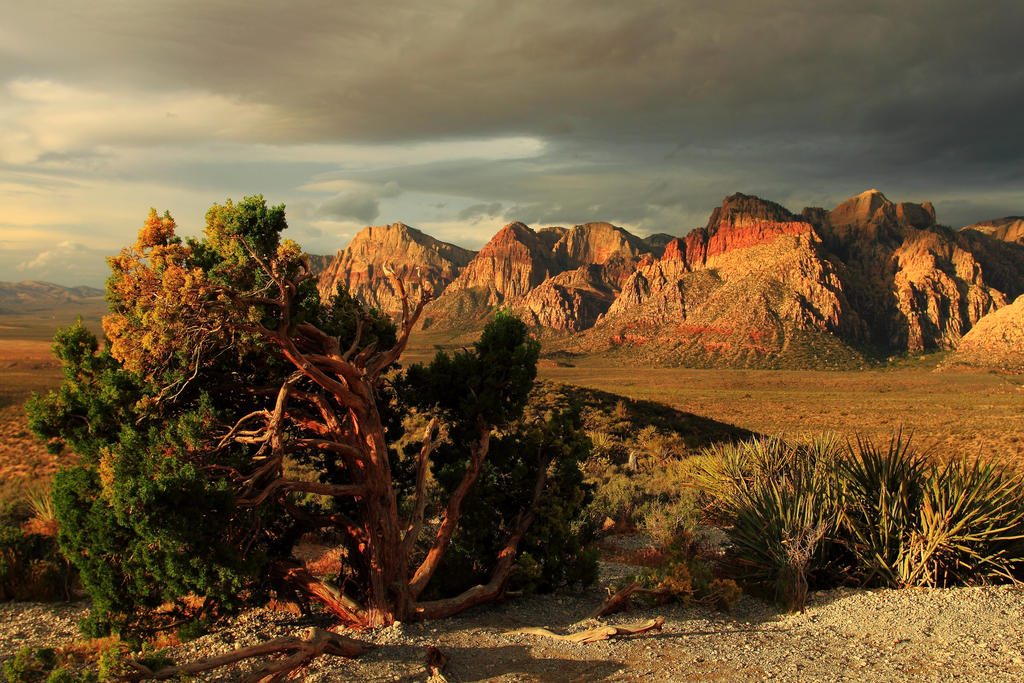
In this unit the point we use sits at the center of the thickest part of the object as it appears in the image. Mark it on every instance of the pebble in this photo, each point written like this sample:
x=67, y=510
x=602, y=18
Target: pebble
x=941, y=634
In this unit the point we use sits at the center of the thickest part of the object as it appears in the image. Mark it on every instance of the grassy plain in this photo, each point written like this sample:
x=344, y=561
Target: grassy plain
x=965, y=413
x=949, y=413
x=26, y=366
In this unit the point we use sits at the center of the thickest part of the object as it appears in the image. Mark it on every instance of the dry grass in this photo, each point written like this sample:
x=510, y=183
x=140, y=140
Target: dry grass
x=952, y=413
x=970, y=413
x=26, y=366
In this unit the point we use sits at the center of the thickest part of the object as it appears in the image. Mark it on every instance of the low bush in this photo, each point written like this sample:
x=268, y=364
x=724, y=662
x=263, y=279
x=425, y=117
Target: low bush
x=816, y=513
x=31, y=565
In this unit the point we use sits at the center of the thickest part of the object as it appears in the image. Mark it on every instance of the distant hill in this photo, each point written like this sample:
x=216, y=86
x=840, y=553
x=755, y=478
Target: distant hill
x=33, y=296
x=34, y=310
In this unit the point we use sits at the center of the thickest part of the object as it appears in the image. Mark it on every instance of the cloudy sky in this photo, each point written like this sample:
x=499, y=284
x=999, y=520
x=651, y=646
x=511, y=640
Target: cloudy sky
x=457, y=116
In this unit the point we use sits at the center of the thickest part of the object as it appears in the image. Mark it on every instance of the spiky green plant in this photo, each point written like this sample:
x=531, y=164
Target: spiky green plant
x=970, y=528
x=780, y=504
x=882, y=496
x=40, y=503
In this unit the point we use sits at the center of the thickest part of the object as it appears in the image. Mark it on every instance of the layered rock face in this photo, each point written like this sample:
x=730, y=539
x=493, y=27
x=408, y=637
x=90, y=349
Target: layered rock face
x=560, y=279
x=1009, y=229
x=571, y=301
x=996, y=341
x=749, y=289
x=409, y=252
x=920, y=285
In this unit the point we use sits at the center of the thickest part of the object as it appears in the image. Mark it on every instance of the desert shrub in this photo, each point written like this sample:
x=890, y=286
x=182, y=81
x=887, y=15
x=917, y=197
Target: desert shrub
x=554, y=549
x=779, y=502
x=815, y=513
x=31, y=565
x=686, y=575
x=913, y=523
x=82, y=662
x=882, y=500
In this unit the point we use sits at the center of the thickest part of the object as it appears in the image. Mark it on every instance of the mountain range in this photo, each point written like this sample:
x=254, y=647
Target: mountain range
x=757, y=286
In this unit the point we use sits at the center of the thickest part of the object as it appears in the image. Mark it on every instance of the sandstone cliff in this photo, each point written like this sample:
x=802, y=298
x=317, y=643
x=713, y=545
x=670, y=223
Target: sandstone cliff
x=359, y=266
x=996, y=341
x=749, y=289
x=559, y=279
x=1009, y=229
x=920, y=285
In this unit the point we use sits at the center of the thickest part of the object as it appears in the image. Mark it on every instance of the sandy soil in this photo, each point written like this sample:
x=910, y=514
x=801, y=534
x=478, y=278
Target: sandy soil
x=934, y=635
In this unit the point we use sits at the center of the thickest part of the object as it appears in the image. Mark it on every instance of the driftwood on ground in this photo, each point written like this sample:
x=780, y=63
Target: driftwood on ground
x=599, y=633
x=622, y=600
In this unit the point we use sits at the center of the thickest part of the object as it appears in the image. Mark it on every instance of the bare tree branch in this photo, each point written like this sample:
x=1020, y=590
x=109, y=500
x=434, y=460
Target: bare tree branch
x=430, y=439
x=313, y=643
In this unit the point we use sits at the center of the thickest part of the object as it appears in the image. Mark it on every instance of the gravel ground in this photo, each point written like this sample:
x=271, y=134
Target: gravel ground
x=940, y=635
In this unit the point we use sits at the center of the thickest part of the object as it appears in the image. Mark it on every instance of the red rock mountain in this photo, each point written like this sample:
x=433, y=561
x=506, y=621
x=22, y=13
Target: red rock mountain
x=996, y=341
x=919, y=285
x=1009, y=229
x=752, y=288
x=557, y=278
x=758, y=286
x=359, y=266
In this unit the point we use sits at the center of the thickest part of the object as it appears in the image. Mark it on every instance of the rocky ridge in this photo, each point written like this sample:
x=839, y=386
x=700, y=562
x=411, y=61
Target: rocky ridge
x=559, y=279
x=1009, y=229
x=996, y=341
x=359, y=267
x=758, y=286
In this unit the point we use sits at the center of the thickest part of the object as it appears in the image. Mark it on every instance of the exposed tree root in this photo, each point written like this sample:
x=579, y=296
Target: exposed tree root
x=436, y=662
x=599, y=633
x=301, y=651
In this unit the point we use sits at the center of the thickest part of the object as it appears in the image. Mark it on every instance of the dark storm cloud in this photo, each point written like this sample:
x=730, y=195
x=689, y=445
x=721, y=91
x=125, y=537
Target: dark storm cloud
x=363, y=208
x=478, y=211
x=651, y=111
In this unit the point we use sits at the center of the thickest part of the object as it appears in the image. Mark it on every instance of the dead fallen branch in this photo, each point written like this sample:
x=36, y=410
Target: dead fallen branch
x=600, y=633
x=301, y=651
x=621, y=601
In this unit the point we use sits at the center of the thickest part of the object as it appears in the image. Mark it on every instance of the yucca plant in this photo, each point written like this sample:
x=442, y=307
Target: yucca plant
x=779, y=503
x=778, y=532
x=881, y=500
x=43, y=518
x=970, y=529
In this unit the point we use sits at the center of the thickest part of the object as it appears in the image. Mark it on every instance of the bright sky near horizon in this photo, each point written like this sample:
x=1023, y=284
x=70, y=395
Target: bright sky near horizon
x=457, y=116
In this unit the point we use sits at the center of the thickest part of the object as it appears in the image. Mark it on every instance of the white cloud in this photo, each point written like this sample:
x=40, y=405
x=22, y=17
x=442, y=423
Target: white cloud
x=41, y=117
x=62, y=253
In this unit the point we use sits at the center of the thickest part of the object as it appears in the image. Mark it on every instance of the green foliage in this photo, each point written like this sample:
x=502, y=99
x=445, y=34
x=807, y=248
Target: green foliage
x=163, y=507
x=916, y=524
x=780, y=504
x=816, y=514
x=34, y=665
x=491, y=383
x=29, y=664
x=31, y=566
x=883, y=497
x=685, y=575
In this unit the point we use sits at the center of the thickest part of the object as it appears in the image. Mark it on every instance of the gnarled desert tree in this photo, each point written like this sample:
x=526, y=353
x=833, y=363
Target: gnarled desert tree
x=232, y=414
